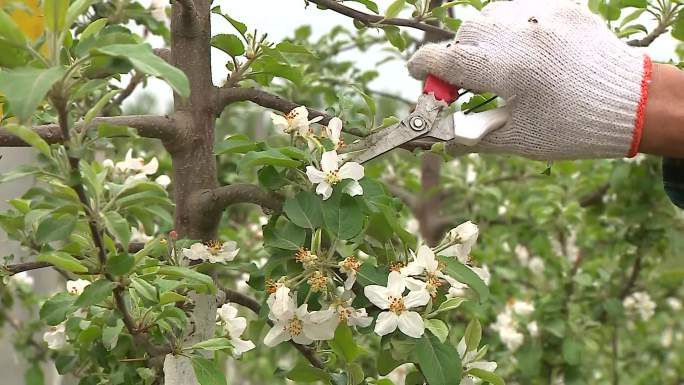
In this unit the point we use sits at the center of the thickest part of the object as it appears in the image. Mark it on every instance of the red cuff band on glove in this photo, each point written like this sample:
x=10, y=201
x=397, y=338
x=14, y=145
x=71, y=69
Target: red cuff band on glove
x=641, y=108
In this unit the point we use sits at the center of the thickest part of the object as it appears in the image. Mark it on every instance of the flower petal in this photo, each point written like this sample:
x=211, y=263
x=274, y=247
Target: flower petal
x=241, y=346
x=426, y=257
x=351, y=170
x=354, y=188
x=151, y=167
x=416, y=298
x=378, y=295
x=302, y=339
x=227, y=312
x=386, y=323
x=334, y=129
x=236, y=326
x=487, y=366
x=411, y=324
x=280, y=122
x=276, y=335
x=330, y=161
x=414, y=284
x=413, y=268
x=324, y=189
x=315, y=175
x=395, y=284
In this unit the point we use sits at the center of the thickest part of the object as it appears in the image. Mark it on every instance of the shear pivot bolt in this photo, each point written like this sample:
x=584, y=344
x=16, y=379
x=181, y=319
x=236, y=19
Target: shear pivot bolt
x=417, y=123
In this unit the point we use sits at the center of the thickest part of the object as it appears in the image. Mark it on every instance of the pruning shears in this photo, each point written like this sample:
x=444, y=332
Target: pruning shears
x=428, y=122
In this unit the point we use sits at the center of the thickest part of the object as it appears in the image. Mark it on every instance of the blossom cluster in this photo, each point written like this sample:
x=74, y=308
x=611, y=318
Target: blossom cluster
x=641, y=304
x=135, y=169
x=410, y=287
x=507, y=323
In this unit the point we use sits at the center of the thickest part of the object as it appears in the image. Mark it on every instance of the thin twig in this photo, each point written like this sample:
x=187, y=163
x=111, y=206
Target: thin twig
x=149, y=126
x=254, y=306
x=222, y=197
x=124, y=94
x=379, y=21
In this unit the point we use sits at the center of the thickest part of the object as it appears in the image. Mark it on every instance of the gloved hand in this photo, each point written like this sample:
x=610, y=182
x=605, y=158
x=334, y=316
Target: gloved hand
x=577, y=91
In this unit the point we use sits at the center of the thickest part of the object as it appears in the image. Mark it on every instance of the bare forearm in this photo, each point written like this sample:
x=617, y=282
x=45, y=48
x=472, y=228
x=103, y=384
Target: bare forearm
x=664, y=124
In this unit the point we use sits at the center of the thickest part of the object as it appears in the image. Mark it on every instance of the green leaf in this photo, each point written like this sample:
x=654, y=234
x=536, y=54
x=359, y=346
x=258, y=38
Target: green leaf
x=631, y=17
x=370, y=103
x=145, y=289
x=369, y=4
x=286, y=236
x=486, y=376
x=206, y=372
x=76, y=9
x=55, y=309
x=438, y=328
x=633, y=3
x=63, y=261
x=473, y=335
x=9, y=30
x=171, y=296
x=343, y=343
x=439, y=362
x=240, y=27
x=213, y=344
x=394, y=8
x=118, y=226
x=26, y=87
x=193, y=277
x=93, y=28
x=394, y=36
x=110, y=335
x=120, y=264
x=371, y=275
x=55, y=227
x=448, y=305
x=678, y=27
x=270, y=157
x=389, y=121
x=97, y=108
x=145, y=61
x=572, y=351
x=237, y=144
x=34, y=376
x=95, y=293
x=342, y=217
x=54, y=12
x=304, y=210
x=464, y=274
x=305, y=373
x=228, y=43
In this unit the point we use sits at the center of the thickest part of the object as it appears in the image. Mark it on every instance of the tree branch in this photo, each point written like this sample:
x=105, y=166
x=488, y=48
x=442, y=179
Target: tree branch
x=149, y=126
x=124, y=94
x=253, y=305
x=660, y=29
x=226, y=96
x=222, y=197
x=375, y=20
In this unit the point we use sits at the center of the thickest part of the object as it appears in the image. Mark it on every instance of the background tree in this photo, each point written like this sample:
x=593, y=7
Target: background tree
x=585, y=280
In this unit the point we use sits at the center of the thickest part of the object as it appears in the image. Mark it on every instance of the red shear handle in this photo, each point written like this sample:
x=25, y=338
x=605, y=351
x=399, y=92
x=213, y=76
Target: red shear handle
x=442, y=90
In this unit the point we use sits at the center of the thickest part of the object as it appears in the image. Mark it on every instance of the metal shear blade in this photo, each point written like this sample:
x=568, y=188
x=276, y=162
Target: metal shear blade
x=423, y=122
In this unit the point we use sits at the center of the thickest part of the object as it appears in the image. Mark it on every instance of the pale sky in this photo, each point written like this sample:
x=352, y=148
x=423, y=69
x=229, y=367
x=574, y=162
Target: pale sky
x=281, y=17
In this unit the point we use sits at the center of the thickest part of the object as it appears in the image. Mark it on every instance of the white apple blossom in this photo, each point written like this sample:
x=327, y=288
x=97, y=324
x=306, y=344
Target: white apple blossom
x=522, y=308
x=21, y=280
x=533, y=328
x=674, y=303
x=297, y=323
x=163, y=180
x=469, y=360
x=352, y=316
x=76, y=287
x=465, y=235
x=426, y=262
x=506, y=327
x=138, y=235
x=214, y=252
x=331, y=174
x=55, y=337
x=234, y=326
x=137, y=165
x=523, y=254
x=334, y=132
x=392, y=298
x=536, y=266
x=296, y=121
x=349, y=266
x=640, y=303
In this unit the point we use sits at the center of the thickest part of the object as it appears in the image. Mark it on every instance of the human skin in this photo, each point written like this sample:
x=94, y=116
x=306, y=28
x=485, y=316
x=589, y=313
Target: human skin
x=663, y=132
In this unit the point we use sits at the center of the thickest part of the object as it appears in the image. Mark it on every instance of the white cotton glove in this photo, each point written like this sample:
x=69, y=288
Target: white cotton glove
x=576, y=90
